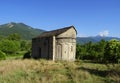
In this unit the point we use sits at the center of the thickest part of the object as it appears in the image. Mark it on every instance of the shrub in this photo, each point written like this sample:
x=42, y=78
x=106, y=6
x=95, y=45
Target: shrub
x=112, y=51
x=2, y=55
x=27, y=55
x=9, y=46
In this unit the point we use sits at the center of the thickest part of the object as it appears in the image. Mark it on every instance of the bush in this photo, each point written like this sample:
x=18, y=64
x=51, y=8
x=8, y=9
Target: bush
x=2, y=55
x=27, y=55
x=9, y=46
x=25, y=45
x=112, y=51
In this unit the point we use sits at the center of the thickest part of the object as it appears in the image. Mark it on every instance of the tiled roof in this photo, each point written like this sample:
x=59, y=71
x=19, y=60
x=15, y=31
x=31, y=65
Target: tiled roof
x=54, y=32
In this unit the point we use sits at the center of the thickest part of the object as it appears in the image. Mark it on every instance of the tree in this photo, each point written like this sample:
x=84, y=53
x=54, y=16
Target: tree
x=91, y=51
x=78, y=50
x=2, y=55
x=112, y=51
x=14, y=36
x=27, y=55
x=2, y=37
x=9, y=46
x=99, y=50
x=25, y=45
x=84, y=51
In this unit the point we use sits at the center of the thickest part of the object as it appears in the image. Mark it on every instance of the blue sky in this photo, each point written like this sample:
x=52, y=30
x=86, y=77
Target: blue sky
x=90, y=17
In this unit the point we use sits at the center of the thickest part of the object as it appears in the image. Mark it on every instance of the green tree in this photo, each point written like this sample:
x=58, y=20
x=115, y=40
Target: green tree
x=14, y=36
x=91, y=51
x=99, y=50
x=9, y=46
x=2, y=55
x=25, y=45
x=2, y=37
x=84, y=51
x=112, y=51
x=78, y=50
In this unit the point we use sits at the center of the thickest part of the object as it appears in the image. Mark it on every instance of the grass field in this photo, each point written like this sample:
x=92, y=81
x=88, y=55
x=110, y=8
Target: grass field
x=43, y=71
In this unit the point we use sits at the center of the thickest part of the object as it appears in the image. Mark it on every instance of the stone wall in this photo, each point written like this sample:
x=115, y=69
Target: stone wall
x=60, y=47
x=65, y=49
x=66, y=45
x=42, y=48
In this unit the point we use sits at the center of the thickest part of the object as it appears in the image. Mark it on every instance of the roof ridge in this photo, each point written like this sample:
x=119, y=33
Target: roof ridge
x=54, y=32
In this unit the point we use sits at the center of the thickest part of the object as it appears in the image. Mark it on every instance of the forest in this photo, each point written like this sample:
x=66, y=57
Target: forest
x=100, y=52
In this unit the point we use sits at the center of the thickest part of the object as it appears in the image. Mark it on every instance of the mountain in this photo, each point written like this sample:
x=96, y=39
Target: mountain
x=94, y=39
x=83, y=40
x=27, y=32
x=24, y=30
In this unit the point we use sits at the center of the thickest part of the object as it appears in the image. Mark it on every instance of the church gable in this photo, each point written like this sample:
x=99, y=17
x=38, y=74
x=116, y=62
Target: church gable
x=70, y=33
x=58, y=44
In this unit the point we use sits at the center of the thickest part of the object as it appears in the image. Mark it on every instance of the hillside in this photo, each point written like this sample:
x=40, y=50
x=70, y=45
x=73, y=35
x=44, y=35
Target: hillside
x=24, y=30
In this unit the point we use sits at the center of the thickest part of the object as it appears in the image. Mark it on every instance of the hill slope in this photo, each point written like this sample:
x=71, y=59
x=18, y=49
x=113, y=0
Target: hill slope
x=24, y=30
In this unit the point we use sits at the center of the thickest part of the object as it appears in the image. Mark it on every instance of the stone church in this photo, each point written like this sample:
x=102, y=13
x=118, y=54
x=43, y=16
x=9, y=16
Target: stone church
x=55, y=45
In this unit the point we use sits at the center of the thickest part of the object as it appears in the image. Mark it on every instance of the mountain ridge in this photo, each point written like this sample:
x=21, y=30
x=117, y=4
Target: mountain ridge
x=26, y=31
x=94, y=39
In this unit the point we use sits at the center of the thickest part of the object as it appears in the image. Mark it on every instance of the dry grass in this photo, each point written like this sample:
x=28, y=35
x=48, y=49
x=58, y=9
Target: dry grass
x=42, y=71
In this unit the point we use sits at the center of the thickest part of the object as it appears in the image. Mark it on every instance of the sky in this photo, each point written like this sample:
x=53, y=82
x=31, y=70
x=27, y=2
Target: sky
x=89, y=17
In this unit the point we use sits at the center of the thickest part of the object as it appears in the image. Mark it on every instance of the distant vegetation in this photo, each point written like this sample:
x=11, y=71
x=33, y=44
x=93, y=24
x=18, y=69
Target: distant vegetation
x=100, y=52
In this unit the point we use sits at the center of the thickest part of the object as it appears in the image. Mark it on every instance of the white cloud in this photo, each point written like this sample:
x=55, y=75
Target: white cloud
x=104, y=33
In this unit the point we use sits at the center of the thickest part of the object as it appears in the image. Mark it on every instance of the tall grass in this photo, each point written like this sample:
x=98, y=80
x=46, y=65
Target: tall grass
x=43, y=71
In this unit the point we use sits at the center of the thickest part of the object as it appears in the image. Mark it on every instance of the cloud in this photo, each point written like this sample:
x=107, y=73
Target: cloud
x=104, y=33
